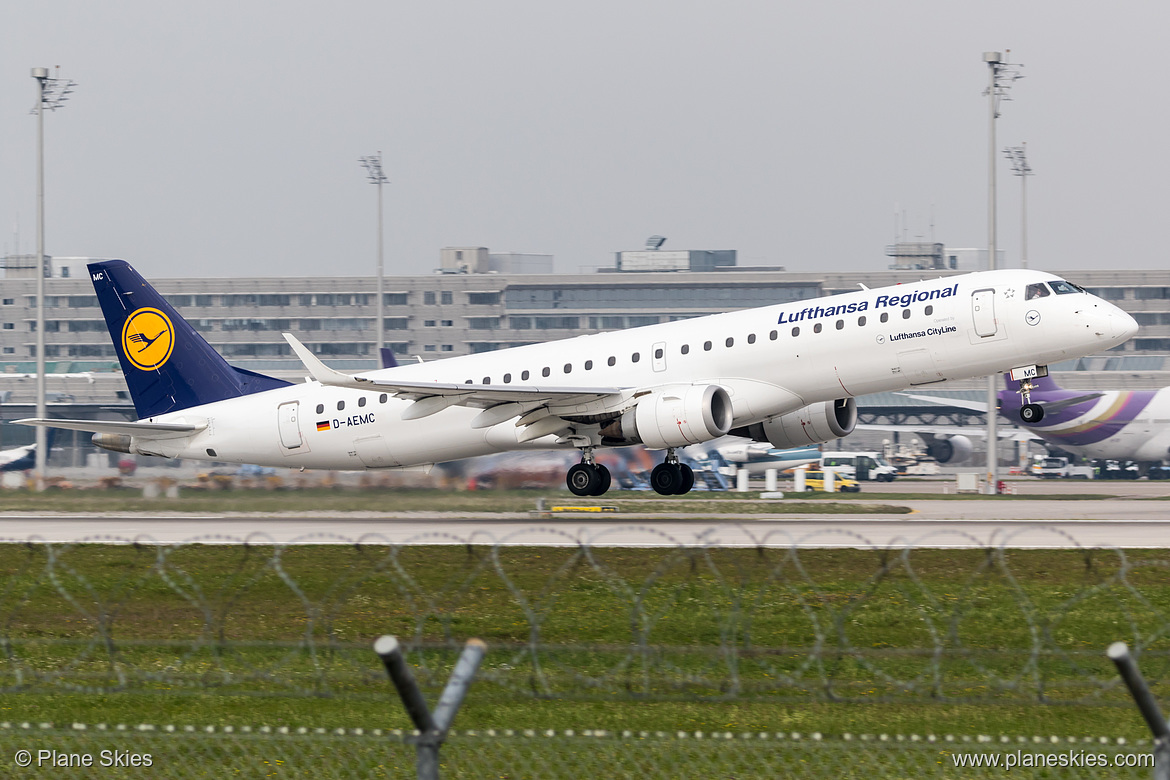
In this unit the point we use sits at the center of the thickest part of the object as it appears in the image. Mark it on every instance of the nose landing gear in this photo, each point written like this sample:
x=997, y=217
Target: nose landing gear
x=671, y=478
x=1030, y=413
x=588, y=478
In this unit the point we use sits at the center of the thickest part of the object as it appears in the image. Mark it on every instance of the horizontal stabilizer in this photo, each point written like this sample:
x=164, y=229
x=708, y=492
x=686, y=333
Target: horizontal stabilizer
x=148, y=430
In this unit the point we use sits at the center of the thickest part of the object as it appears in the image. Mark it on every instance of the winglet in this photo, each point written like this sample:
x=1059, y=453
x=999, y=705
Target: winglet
x=318, y=370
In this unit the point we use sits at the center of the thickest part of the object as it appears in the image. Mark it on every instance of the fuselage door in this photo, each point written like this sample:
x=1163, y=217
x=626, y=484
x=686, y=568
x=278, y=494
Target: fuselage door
x=983, y=312
x=659, y=356
x=288, y=420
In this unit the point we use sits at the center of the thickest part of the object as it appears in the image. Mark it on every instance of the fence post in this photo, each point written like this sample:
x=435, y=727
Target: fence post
x=432, y=730
x=1119, y=654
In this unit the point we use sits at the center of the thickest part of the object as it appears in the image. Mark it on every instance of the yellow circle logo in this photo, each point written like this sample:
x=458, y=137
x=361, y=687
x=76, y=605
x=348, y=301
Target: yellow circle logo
x=148, y=339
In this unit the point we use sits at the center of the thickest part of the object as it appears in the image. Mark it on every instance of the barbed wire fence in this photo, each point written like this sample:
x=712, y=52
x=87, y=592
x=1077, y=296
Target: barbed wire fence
x=574, y=619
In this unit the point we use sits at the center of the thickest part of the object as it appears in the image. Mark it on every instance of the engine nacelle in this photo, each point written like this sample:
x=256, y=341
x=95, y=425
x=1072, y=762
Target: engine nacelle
x=673, y=416
x=814, y=424
x=114, y=442
x=952, y=449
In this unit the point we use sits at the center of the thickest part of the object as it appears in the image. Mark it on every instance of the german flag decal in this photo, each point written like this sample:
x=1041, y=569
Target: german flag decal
x=322, y=425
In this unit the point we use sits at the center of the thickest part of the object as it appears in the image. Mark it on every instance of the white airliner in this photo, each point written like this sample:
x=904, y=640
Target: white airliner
x=786, y=374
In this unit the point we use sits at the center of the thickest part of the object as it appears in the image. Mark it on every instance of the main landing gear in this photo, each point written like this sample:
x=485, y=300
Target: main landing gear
x=671, y=478
x=1030, y=413
x=588, y=478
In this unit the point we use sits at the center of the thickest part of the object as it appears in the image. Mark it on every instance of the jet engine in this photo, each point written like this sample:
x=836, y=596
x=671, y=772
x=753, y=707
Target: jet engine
x=814, y=424
x=673, y=416
x=951, y=449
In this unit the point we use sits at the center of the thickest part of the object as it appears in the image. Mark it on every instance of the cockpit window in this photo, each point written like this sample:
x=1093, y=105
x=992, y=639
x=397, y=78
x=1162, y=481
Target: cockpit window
x=1064, y=288
x=1038, y=290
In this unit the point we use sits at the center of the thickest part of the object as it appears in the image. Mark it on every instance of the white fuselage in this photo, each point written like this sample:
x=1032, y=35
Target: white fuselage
x=1120, y=425
x=771, y=360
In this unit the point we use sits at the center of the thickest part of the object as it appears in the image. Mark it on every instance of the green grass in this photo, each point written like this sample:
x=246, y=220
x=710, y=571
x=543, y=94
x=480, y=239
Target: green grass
x=204, y=634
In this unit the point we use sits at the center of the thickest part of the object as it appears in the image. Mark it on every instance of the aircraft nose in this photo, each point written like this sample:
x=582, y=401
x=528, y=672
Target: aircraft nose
x=1123, y=325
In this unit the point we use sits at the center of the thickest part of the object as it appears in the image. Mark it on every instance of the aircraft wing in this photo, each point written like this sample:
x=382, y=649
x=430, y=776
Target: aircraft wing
x=151, y=430
x=480, y=396
x=972, y=431
x=981, y=406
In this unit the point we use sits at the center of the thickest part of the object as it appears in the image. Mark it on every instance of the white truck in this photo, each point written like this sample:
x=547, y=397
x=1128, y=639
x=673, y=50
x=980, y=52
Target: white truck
x=1061, y=468
x=861, y=466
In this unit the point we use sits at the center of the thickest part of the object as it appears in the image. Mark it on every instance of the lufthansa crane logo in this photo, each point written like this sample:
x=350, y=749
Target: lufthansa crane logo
x=148, y=339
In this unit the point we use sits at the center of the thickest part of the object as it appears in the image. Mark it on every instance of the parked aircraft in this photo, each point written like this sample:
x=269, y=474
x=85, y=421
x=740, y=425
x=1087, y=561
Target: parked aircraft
x=786, y=374
x=755, y=456
x=23, y=458
x=1120, y=425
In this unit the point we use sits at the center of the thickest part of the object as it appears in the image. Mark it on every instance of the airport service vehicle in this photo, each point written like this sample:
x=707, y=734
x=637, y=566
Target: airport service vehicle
x=1061, y=468
x=862, y=466
x=815, y=480
x=786, y=374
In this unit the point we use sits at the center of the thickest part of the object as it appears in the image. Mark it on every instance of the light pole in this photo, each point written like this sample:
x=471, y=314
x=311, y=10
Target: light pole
x=1018, y=155
x=373, y=166
x=51, y=94
x=1001, y=78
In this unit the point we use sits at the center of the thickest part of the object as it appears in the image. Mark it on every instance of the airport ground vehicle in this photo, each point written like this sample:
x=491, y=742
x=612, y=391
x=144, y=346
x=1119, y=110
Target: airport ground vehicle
x=1061, y=468
x=861, y=466
x=815, y=480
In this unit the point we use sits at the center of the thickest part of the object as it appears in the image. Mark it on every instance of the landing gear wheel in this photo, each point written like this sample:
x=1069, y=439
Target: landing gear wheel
x=666, y=479
x=1031, y=413
x=687, y=480
x=582, y=479
x=603, y=480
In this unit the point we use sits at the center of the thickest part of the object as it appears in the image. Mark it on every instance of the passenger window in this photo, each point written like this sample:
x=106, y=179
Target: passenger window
x=686, y=348
x=730, y=342
x=796, y=331
x=929, y=310
x=840, y=324
x=568, y=368
x=885, y=316
x=523, y=376
x=707, y=346
x=362, y=401
x=507, y=379
x=487, y=380
x=905, y=314
x=383, y=398
x=658, y=354
x=320, y=408
x=634, y=358
x=817, y=328
x=751, y=338
x=861, y=321
x=545, y=371
x=588, y=365
x=612, y=361
x=340, y=405
x=773, y=335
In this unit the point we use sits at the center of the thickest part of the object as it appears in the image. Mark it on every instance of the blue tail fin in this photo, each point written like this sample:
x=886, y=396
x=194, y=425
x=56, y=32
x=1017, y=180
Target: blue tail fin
x=388, y=359
x=167, y=364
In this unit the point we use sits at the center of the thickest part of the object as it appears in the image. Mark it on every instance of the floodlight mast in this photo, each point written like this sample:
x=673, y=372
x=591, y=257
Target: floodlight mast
x=1018, y=156
x=373, y=166
x=1002, y=75
x=51, y=94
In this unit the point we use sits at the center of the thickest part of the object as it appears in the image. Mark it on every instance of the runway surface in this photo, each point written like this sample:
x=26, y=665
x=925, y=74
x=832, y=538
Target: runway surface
x=933, y=523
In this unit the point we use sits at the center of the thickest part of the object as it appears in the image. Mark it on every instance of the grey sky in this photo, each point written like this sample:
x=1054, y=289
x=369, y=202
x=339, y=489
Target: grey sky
x=221, y=138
